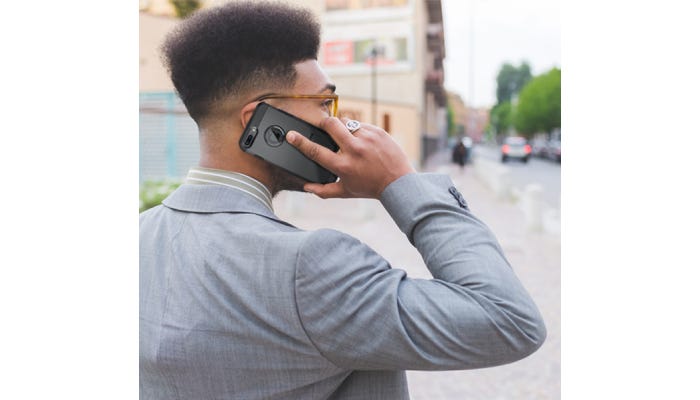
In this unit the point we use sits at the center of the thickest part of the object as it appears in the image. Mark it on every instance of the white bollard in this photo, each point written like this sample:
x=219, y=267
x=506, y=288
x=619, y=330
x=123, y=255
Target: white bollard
x=496, y=177
x=532, y=205
x=502, y=183
x=551, y=221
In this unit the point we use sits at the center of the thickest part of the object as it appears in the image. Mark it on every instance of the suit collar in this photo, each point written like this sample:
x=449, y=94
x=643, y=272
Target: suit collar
x=217, y=199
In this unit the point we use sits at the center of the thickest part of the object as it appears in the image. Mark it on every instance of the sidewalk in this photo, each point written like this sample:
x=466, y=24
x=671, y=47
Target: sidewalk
x=535, y=257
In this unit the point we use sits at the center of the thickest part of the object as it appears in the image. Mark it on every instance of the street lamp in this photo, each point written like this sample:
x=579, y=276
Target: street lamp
x=372, y=57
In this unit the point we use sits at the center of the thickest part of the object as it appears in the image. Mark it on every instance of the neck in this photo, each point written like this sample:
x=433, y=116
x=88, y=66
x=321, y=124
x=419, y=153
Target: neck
x=219, y=149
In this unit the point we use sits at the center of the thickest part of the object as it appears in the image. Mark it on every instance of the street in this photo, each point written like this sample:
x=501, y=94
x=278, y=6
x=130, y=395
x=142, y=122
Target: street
x=544, y=172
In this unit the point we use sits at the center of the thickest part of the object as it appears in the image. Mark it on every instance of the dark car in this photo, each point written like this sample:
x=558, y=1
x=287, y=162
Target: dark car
x=539, y=148
x=553, y=150
x=515, y=147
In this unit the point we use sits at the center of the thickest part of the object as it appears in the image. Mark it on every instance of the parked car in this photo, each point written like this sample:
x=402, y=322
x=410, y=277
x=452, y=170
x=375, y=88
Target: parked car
x=539, y=148
x=515, y=147
x=553, y=150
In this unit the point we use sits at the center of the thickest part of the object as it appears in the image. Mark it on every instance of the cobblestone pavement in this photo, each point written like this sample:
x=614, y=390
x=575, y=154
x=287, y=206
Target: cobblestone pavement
x=534, y=256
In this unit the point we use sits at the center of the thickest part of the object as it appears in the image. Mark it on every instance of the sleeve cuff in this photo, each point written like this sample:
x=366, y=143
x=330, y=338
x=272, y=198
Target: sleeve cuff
x=405, y=197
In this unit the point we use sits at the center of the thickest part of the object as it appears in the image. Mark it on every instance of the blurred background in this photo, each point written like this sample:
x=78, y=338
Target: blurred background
x=470, y=88
x=427, y=71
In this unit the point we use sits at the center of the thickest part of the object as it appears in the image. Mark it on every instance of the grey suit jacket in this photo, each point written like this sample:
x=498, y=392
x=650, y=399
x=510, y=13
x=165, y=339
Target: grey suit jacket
x=236, y=304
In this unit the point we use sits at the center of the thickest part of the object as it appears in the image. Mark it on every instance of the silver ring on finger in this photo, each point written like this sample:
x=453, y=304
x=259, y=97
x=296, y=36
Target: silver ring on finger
x=352, y=125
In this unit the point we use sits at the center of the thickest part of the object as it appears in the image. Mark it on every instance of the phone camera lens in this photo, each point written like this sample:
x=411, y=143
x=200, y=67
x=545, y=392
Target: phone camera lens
x=250, y=137
x=274, y=135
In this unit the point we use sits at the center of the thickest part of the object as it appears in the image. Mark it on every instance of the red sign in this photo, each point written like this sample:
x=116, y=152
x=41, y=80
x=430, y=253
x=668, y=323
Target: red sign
x=338, y=52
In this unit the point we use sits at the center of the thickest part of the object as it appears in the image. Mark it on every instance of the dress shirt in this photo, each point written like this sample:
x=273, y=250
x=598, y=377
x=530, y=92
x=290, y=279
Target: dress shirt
x=236, y=180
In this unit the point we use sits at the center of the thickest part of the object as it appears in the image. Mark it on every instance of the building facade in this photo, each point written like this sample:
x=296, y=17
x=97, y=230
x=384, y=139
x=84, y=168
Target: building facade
x=385, y=56
x=468, y=121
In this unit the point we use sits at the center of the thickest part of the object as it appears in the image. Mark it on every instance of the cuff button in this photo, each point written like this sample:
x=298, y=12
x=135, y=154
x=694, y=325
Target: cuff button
x=458, y=196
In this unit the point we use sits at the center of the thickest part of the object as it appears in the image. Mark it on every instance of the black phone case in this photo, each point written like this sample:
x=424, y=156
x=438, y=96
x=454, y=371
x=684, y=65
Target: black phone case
x=264, y=136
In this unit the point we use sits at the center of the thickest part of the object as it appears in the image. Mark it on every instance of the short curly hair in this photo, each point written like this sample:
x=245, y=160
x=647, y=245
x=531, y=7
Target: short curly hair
x=228, y=51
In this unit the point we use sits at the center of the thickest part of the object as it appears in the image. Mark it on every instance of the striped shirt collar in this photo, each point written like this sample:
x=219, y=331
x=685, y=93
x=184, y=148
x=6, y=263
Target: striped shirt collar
x=235, y=180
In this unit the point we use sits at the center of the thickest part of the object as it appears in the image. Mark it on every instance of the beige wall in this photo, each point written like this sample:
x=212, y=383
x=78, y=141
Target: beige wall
x=153, y=77
x=400, y=93
x=402, y=121
x=405, y=87
x=458, y=108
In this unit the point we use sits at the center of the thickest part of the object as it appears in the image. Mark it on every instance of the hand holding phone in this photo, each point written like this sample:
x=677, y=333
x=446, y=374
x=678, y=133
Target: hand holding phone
x=264, y=137
x=368, y=161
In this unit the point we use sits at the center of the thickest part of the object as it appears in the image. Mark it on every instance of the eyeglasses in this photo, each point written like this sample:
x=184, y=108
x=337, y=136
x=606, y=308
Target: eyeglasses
x=331, y=102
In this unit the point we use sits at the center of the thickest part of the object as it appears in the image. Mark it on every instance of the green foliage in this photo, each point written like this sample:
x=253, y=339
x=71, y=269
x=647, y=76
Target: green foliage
x=488, y=134
x=451, y=127
x=501, y=117
x=539, y=104
x=183, y=8
x=153, y=193
x=511, y=80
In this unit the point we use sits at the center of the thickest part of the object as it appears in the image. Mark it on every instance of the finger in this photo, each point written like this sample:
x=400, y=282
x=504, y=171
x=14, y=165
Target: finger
x=337, y=130
x=372, y=128
x=330, y=190
x=345, y=121
x=365, y=129
x=313, y=151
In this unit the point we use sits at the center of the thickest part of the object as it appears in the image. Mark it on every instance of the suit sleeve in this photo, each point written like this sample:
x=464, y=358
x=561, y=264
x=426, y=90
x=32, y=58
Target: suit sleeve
x=362, y=314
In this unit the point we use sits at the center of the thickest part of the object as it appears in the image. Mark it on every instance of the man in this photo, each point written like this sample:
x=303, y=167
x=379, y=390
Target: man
x=237, y=304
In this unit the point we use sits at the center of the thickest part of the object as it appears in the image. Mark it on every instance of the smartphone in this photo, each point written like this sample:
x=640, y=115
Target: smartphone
x=264, y=136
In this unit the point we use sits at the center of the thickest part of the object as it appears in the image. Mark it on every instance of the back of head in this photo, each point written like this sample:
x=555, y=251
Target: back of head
x=232, y=50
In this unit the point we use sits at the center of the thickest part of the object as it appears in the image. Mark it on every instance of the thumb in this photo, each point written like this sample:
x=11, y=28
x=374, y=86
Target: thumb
x=330, y=190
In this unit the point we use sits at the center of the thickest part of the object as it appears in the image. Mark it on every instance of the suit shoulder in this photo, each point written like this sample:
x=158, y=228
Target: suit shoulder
x=336, y=253
x=150, y=213
x=327, y=239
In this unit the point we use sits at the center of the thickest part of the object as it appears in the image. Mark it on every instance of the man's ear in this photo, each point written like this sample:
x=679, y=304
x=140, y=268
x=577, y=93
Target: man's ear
x=247, y=112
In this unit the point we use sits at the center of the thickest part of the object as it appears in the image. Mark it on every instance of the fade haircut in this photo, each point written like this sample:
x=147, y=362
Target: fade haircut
x=228, y=51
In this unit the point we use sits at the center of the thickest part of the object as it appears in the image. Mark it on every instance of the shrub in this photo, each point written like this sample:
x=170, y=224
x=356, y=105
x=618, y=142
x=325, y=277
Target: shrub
x=152, y=193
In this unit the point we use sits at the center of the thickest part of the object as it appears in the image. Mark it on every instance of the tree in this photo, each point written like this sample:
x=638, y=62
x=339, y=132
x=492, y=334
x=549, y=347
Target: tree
x=511, y=80
x=183, y=8
x=539, y=104
x=501, y=117
x=451, y=127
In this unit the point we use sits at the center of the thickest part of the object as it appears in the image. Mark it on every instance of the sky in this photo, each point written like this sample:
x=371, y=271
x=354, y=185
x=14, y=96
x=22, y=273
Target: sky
x=504, y=31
